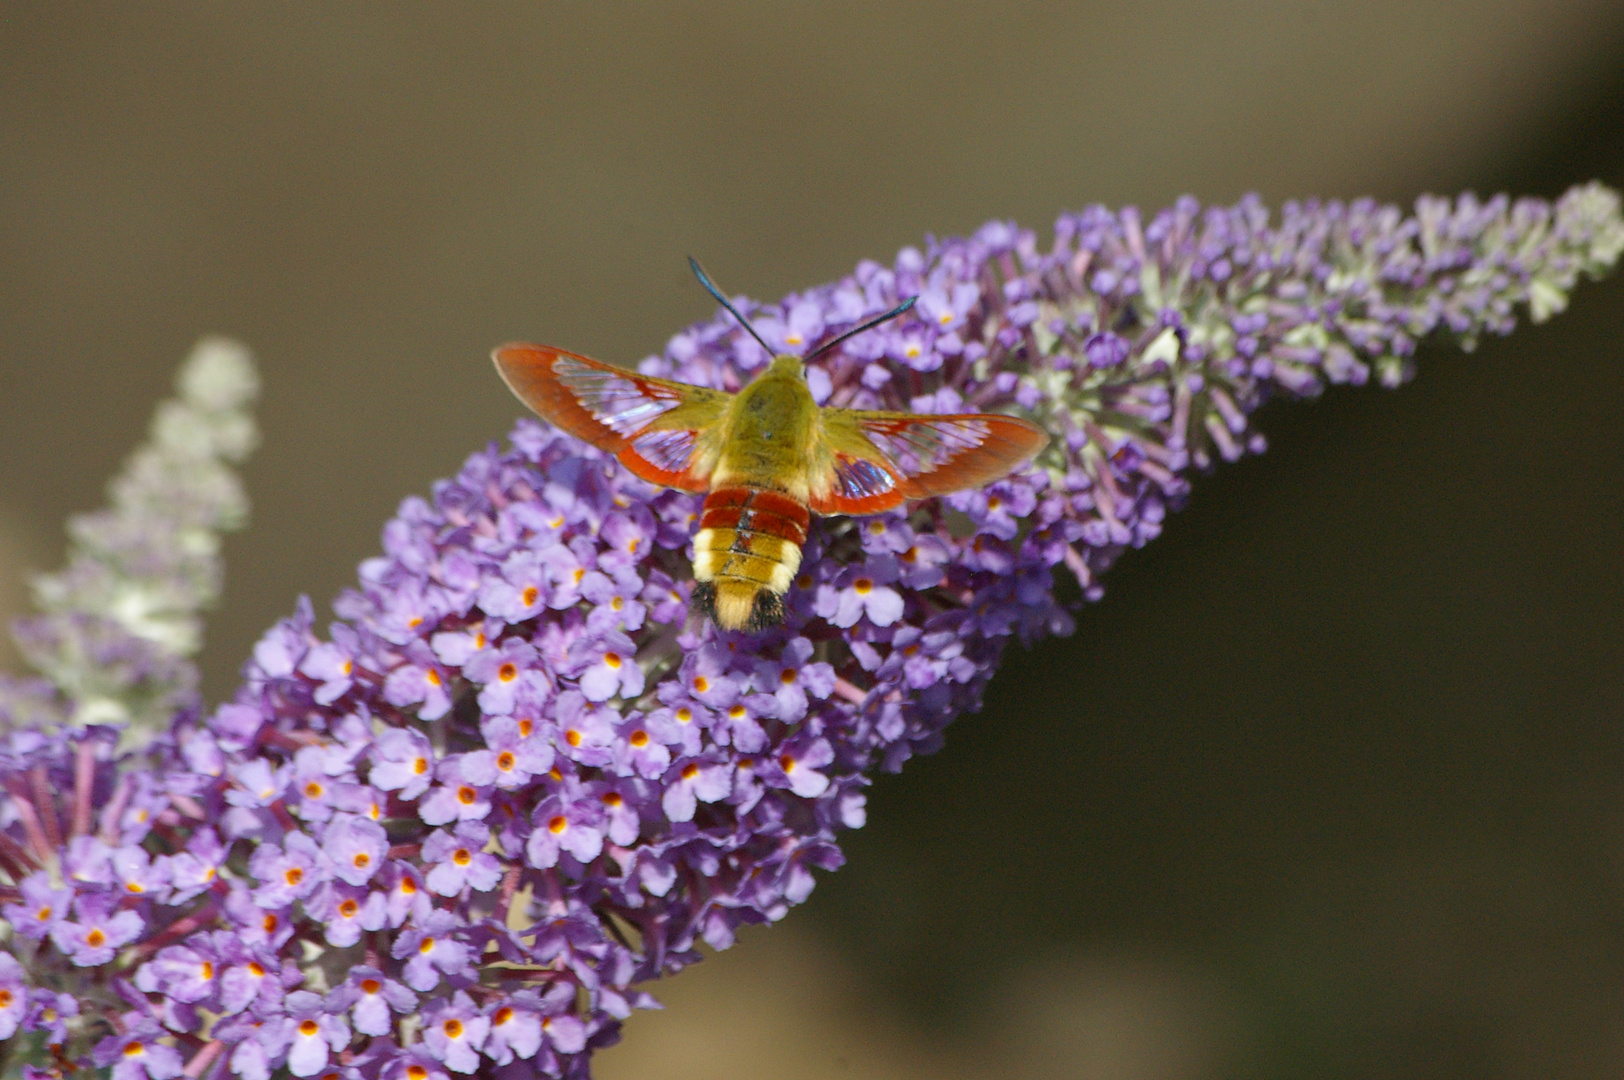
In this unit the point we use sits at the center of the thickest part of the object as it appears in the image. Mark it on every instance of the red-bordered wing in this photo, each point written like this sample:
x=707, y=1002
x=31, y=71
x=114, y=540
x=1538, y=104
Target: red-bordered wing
x=657, y=428
x=880, y=459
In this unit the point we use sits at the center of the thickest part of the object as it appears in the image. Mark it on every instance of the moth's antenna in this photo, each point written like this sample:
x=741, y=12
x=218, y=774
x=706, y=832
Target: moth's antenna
x=710, y=287
x=871, y=324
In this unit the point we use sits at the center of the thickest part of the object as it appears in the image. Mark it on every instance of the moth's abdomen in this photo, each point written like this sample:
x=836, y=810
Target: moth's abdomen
x=745, y=555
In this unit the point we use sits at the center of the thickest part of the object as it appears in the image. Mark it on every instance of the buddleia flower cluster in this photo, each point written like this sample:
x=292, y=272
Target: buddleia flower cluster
x=118, y=624
x=453, y=832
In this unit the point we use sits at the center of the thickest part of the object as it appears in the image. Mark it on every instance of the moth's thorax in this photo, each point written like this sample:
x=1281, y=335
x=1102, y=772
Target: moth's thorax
x=769, y=432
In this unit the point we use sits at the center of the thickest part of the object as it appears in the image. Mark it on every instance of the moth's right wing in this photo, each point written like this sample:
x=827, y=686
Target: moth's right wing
x=663, y=431
x=879, y=460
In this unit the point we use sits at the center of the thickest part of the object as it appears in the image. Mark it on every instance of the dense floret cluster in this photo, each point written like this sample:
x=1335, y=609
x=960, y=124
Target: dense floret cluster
x=516, y=779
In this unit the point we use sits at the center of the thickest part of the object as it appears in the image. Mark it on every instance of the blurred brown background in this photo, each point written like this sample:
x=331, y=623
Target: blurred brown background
x=1332, y=782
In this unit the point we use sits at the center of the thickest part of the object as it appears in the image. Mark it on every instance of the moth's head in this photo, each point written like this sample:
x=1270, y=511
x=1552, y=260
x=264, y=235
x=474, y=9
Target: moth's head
x=787, y=366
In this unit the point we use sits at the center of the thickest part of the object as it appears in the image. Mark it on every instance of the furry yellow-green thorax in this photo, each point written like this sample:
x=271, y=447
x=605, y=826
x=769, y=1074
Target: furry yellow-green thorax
x=769, y=432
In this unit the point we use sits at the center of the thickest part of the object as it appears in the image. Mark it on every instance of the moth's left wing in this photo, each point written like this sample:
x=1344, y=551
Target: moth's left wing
x=878, y=460
x=661, y=430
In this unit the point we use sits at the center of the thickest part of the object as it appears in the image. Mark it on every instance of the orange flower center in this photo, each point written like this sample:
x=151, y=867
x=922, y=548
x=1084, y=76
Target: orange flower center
x=433, y=677
x=558, y=824
x=309, y=1028
x=371, y=986
x=503, y=1015
x=787, y=676
x=507, y=672
x=313, y=790
x=612, y=798
x=294, y=875
x=95, y=939
x=467, y=795
x=530, y=595
x=453, y=1028
x=863, y=585
x=612, y=659
x=420, y=766
x=462, y=857
x=348, y=909
x=639, y=738
x=362, y=860
x=701, y=684
x=689, y=771
x=427, y=946
x=504, y=761
x=133, y=1049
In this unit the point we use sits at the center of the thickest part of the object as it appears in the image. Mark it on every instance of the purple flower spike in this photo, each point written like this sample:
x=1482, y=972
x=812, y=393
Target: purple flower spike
x=515, y=743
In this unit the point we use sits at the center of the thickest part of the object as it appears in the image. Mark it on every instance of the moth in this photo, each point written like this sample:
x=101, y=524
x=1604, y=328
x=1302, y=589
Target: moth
x=766, y=458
